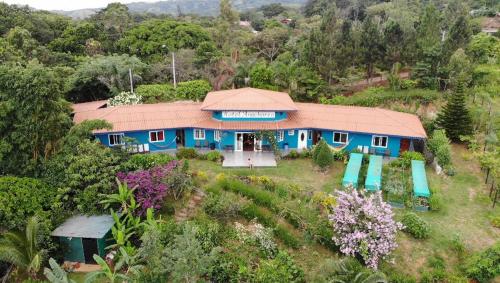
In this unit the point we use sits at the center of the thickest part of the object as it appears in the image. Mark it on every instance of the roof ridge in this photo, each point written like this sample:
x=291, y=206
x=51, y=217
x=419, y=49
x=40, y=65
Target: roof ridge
x=383, y=111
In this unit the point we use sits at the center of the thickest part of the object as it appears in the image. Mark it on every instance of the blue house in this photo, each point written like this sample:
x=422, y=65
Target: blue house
x=230, y=119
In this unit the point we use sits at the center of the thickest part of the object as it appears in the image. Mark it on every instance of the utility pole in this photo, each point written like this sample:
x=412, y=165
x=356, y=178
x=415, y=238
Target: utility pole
x=173, y=69
x=131, y=80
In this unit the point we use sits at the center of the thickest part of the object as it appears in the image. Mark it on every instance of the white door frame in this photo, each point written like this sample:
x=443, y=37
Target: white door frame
x=302, y=144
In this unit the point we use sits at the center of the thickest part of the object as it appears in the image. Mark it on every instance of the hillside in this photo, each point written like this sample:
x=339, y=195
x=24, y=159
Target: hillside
x=199, y=7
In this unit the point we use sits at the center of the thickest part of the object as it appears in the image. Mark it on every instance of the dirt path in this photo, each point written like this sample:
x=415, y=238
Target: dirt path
x=189, y=210
x=375, y=81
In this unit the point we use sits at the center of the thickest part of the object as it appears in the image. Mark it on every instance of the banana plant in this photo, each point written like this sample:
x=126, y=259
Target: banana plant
x=55, y=274
x=111, y=275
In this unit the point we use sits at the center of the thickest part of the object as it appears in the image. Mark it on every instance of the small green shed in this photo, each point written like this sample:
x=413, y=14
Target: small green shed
x=83, y=236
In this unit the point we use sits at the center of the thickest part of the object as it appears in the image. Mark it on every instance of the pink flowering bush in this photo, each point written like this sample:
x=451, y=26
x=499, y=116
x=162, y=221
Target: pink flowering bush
x=364, y=225
x=151, y=185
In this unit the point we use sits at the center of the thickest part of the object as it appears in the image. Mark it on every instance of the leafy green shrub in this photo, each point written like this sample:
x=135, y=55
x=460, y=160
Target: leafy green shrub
x=293, y=154
x=21, y=198
x=280, y=269
x=193, y=90
x=439, y=145
x=484, y=265
x=495, y=221
x=408, y=84
x=401, y=278
x=404, y=161
x=155, y=93
x=416, y=226
x=340, y=155
x=324, y=156
x=305, y=153
x=146, y=161
x=260, y=197
x=214, y=156
x=286, y=237
x=223, y=205
x=186, y=153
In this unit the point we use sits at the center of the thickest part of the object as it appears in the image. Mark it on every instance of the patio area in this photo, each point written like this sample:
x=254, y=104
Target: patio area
x=235, y=159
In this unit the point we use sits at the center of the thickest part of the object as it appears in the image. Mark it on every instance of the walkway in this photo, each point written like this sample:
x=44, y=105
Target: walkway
x=240, y=159
x=189, y=210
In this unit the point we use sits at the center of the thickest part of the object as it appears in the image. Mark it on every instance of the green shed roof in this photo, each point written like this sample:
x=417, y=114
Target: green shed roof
x=374, y=176
x=352, y=170
x=81, y=226
x=420, y=186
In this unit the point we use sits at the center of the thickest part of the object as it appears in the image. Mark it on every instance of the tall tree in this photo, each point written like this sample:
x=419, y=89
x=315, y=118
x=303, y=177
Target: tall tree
x=459, y=36
x=454, y=117
x=372, y=46
x=115, y=20
x=33, y=117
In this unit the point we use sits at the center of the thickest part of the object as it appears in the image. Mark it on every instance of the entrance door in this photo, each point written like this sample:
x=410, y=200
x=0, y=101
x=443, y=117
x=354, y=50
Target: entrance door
x=404, y=145
x=89, y=249
x=316, y=136
x=302, y=143
x=248, y=142
x=180, y=138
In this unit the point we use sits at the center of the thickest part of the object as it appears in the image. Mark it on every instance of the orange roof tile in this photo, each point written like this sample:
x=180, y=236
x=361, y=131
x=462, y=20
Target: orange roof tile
x=88, y=106
x=252, y=99
x=307, y=116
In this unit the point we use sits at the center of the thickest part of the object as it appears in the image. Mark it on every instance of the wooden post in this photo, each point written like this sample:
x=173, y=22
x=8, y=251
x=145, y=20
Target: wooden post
x=495, y=198
x=173, y=69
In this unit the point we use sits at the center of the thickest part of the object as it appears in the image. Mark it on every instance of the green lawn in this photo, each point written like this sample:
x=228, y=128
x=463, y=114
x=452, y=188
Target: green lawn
x=465, y=214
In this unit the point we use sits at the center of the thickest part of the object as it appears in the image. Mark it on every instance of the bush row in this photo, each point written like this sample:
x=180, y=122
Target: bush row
x=191, y=153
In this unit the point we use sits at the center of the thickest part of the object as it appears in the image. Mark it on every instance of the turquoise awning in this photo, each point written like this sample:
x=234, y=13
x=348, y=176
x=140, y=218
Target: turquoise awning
x=352, y=170
x=420, y=186
x=374, y=176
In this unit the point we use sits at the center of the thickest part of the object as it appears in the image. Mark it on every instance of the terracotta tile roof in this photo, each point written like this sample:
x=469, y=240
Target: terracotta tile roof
x=248, y=99
x=88, y=106
x=307, y=116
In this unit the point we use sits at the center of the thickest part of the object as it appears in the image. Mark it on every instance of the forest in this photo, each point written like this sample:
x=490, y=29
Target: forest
x=431, y=58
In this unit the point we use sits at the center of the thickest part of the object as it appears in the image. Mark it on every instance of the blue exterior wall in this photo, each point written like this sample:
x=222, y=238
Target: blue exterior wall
x=228, y=138
x=278, y=117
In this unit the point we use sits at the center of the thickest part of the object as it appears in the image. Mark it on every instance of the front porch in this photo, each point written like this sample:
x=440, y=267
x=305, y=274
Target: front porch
x=234, y=159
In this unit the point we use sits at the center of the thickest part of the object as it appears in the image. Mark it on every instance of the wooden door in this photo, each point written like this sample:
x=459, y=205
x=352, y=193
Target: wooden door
x=404, y=145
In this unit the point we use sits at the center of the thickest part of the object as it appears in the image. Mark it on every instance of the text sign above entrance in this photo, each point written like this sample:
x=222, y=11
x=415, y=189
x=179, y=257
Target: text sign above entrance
x=248, y=114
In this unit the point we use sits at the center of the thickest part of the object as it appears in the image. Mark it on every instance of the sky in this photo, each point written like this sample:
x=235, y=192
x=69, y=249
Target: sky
x=68, y=5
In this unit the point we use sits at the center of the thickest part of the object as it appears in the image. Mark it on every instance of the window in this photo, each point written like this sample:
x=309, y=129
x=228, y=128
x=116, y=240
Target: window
x=157, y=136
x=199, y=134
x=339, y=137
x=281, y=136
x=291, y=132
x=115, y=139
x=217, y=135
x=379, y=141
x=309, y=135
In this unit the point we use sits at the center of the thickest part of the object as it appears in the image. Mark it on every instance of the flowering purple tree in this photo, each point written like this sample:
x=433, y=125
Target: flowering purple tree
x=151, y=187
x=364, y=225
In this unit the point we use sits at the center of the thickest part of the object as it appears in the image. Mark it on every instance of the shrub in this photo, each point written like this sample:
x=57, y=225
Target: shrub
x=364, y=225
x=193, y=90
x=280, y=269
x=404, y=161
x=495, y=221
x=415, y=226
x=435, y=202
x=401, y=278
x=293, y=154
x=221, y=205
x=146, y=161
x=286, y=237
x=155, y=93
x=21, y=198
x=260, y=197
x=125, y=98
x=340, y=155
x=439, y=145
x=257, y=234
x=214, y=156
x=186, y=153
x=484, y=265
x=324, y=156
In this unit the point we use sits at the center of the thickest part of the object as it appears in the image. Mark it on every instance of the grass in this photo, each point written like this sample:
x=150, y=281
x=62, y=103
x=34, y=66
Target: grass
x=465, y=213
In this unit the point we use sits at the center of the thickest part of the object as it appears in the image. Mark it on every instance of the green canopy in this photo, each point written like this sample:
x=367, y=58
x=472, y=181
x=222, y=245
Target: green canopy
x=374, y=177
x=352, y=170
x=420, y=186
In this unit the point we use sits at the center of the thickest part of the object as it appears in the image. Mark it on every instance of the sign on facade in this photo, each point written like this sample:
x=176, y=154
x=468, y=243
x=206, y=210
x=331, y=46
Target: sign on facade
x=248, y=114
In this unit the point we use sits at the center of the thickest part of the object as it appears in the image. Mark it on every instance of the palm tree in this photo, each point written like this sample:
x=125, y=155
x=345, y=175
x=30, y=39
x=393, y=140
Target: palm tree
x=107, y=272
x=22, y=249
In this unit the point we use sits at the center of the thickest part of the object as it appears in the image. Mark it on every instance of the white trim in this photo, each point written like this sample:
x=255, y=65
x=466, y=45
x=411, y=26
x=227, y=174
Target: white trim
x=280, y=136
x=158, y=131
x=201, y=136
x=380, y=146
x=291, y=132
x=217, y=135
x=122, y=135
x=341, y=133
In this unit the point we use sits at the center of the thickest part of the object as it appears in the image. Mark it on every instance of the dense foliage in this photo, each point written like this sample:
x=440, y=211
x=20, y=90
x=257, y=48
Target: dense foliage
x=484, y=265
x=415, y=226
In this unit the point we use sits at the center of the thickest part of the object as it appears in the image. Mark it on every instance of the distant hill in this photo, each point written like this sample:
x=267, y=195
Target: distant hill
x=199, y=7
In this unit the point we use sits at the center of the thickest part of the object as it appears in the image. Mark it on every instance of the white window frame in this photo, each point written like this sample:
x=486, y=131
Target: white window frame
x=122, y=142
x=340, y=141
x=217, y=135
x=381, y=137
x=200, y=135
x=291, y=132
x=280, y=136
x=156, y=132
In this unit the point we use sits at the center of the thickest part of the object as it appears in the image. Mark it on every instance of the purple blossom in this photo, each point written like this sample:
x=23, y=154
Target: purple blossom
x=364, y=225
x=150, y=185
